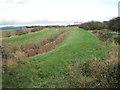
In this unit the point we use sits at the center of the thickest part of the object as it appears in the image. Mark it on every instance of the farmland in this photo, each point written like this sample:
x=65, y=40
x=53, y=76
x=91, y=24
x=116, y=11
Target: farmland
x=79, y=60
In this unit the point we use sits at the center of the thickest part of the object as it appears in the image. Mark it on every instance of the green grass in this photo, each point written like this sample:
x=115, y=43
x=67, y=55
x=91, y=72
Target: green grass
x=44, y=69
x=29, y=38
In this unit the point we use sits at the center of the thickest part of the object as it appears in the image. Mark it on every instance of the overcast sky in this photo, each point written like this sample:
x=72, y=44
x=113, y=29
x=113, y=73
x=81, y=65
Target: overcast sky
x=56, y=11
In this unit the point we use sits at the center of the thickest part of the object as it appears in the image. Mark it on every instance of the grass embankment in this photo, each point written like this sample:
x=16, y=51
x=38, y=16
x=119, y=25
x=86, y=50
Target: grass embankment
x=29, y=38
x=64, y=66
x=78, y=45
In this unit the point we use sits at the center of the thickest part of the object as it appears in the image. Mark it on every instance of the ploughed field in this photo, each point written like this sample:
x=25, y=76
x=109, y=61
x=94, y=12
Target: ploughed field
x=56, y=57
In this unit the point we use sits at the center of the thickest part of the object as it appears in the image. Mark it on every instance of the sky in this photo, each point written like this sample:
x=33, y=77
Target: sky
x=44, y=12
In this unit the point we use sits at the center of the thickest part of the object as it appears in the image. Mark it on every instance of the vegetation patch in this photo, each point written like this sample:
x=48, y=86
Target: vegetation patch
x=36, y=29
x=93, y=25
x=45, y=45
x=21, y=32
x=82, y=60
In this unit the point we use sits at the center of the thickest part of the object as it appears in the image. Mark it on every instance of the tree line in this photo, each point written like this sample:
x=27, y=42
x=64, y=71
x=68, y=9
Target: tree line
x=113, y=24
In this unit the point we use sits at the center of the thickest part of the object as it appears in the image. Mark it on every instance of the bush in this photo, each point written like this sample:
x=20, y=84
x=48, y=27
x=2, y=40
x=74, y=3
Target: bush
x=117, y=40
x=12, y=55
x=114, y=24
x=8, y=34
x=93, y=25
x=21, y=32
x=36, y=29
x=110, y=77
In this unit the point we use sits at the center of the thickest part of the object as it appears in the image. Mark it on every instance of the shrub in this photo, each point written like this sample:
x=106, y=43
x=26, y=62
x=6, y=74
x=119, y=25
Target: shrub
x=93, y=25
x=114, y=24
x=1, y=50
x=108, y=36
x=11, y=55
x=36, y=29
x=117, y=40
x=21, y=32
x=8, y=34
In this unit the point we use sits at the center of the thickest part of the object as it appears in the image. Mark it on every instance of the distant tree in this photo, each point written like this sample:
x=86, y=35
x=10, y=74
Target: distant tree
x=114, y=24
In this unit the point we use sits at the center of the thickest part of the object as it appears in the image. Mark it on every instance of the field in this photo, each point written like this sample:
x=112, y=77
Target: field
x=74, y=58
